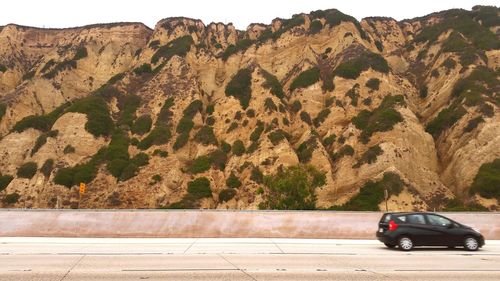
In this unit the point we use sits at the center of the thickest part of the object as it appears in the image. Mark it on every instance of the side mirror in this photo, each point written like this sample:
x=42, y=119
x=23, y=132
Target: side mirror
x=450, y=225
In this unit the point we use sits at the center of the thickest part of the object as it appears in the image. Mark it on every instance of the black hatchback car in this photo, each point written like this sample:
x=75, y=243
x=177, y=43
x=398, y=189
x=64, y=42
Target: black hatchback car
x=407, y=230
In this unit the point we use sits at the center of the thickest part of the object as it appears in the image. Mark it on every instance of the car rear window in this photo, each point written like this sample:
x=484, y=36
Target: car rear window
x=401, y=218
x=388, y=217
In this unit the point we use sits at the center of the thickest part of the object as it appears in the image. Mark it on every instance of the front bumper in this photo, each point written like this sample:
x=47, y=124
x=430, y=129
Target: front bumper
x=481, y=242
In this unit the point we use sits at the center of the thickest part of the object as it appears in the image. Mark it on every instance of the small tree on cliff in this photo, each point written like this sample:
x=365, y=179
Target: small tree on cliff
x=293, y=188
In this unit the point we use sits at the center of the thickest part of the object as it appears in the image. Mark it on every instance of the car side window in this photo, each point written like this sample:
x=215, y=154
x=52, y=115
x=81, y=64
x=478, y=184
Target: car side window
x=416, y=219
x=438, y=221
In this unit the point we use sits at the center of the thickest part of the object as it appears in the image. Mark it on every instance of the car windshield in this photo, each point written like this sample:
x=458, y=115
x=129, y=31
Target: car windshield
x=438, y=221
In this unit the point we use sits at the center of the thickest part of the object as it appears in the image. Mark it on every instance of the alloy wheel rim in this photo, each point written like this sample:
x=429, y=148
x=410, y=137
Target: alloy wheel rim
x=471, y=243
x=406, y=243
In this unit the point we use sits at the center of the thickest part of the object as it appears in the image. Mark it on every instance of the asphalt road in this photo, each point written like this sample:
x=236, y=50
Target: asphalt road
x=237, y=259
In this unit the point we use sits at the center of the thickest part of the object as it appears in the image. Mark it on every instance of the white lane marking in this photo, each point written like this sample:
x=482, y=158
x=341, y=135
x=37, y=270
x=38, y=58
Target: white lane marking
x=71, y=240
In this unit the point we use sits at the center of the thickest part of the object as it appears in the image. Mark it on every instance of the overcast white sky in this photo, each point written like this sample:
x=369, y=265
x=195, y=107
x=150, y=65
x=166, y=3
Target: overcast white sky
x=69, y=13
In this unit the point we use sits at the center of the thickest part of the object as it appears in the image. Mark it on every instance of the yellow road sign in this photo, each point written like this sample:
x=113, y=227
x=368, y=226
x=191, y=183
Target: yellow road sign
x=82, y=188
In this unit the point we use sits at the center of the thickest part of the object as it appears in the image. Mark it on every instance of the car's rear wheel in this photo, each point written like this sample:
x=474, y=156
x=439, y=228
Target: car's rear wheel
x=471, y=244
x=405, y=243
x=389, y=245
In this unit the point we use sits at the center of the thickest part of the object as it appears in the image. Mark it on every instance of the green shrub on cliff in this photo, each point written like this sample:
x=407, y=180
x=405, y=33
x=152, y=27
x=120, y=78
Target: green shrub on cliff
x=227, y=194
x=315, y=27
x=142, y=125
x=381, y=119
x=487, y=180
x=206, y=136
x=238, y=148
x=305, y=79
x=99, y=122
x=158, y=136
x=5, y=181
x=232, y=181
x=199, y=188
x=40, y=122
x=373, y=84
x=179, y=46
x=27, y=170
x=352, y=68
x=272, y=83
x=241, y=45
x=239, y=87
x=370, y=156
x=445, y=119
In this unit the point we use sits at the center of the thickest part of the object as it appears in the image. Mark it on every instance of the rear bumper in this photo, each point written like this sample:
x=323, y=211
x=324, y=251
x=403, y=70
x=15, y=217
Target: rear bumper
x=386, y=239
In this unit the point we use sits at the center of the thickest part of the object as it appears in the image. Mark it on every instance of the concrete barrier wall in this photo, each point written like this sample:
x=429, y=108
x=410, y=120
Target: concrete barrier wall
x=211, y=223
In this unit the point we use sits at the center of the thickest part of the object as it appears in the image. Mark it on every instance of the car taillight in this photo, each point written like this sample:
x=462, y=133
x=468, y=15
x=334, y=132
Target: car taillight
x=392, y=225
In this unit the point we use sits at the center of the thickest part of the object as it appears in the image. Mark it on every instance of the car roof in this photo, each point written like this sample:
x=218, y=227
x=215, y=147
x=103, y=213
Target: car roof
x=410, y=213
x=420, y=213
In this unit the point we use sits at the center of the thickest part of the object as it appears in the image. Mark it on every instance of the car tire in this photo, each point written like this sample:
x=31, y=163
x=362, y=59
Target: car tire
x=389, y=245
x=405, y=243
x=471, y=244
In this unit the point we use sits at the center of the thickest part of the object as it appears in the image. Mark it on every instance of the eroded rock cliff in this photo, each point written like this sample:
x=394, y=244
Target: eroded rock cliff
x=145, y=116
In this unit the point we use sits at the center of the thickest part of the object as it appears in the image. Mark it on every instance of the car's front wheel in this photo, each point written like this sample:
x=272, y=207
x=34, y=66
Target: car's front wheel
x=389, y=245
x=471, y=244
x=405, y=243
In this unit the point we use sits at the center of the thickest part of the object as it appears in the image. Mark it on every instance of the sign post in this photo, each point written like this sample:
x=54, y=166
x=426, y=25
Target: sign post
x=386, y=196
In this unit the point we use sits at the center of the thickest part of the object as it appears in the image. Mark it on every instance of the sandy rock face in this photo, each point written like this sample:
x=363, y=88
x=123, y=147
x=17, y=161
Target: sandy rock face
x=15, y=148
x=71, y=133
x=109, y=50
x=470, y=153
x=386, y=30
x=409, y=152
x=218, y=103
